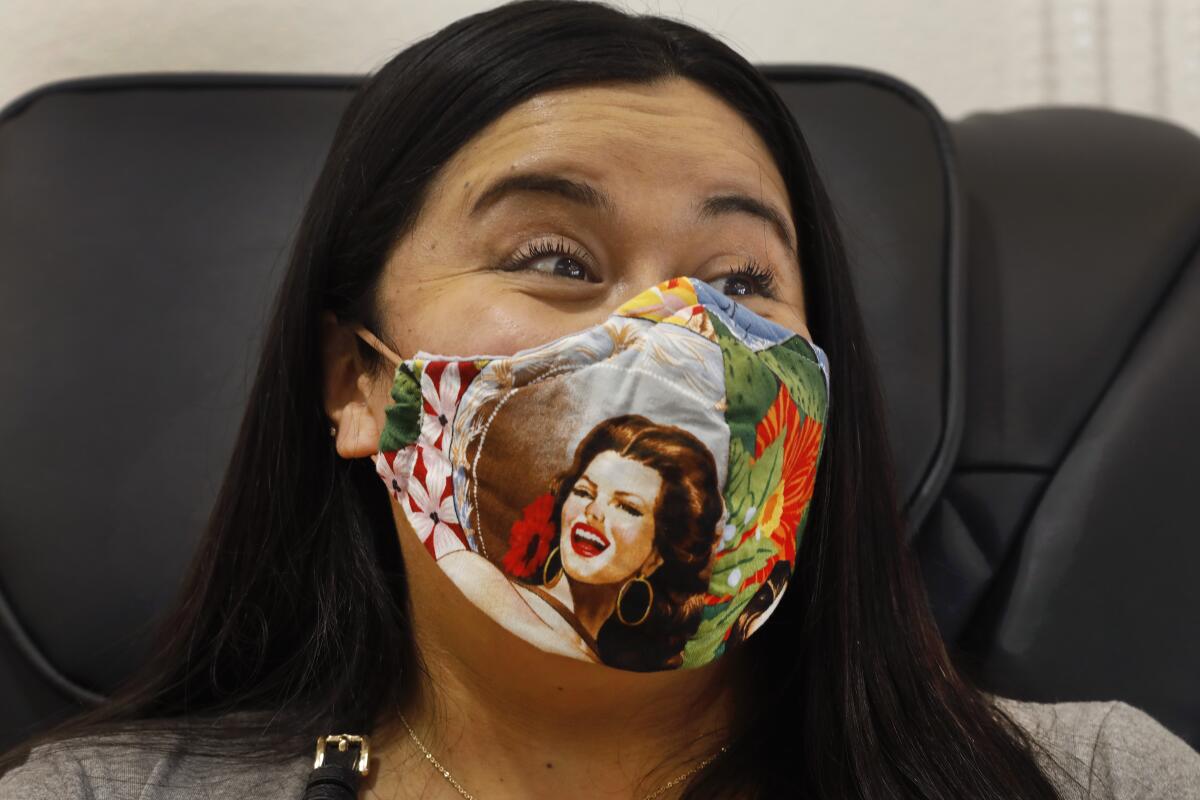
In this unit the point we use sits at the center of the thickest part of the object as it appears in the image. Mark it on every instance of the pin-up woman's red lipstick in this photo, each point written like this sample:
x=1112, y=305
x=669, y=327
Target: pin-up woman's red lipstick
x=588, y=541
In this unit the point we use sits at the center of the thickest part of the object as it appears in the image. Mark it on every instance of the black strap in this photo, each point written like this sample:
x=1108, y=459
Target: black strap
x=338, y=777
x=332, y=782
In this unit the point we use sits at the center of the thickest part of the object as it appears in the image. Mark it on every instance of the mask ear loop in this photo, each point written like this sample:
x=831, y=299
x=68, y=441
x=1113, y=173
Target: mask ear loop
x=823, y=362
x=379, y=346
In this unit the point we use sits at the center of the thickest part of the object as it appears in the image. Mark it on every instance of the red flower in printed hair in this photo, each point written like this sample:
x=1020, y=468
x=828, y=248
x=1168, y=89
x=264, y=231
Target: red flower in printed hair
x=530, y=538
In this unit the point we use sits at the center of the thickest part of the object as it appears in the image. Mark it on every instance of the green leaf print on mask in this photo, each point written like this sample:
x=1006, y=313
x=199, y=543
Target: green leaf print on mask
x=795, y=363
x=750, y=386
x=403, y=424
x=750, y=484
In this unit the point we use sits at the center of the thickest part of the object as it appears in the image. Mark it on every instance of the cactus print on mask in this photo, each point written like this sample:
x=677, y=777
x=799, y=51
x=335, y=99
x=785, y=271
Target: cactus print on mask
x=632, y=494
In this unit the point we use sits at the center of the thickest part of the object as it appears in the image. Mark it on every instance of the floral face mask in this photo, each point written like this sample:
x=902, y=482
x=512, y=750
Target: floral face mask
x=632, y=494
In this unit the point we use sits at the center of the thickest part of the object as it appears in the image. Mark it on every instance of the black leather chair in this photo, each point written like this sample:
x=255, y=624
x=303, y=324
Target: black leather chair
x=1030, y=282
x=1063, y=553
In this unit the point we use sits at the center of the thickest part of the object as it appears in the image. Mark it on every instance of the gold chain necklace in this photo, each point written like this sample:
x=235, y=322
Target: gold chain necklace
x=446, y=773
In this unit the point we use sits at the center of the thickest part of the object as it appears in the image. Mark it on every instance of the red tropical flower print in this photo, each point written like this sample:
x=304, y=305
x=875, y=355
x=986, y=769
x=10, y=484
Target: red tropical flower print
x=784, y=506
x=796, y=483
x=530, y=538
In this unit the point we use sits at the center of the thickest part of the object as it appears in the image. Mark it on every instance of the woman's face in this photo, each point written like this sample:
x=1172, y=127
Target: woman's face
x=576, y=200
x=559, y=211
x=607, y=529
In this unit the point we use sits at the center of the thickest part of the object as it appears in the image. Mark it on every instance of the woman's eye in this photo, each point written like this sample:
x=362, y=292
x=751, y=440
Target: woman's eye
x=578, y=492
x=562, y=265
x=750, y=278
x=628, y=509
x=558, y=257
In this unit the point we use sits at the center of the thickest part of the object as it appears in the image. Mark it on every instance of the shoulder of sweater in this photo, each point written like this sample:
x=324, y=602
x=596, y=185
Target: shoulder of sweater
x=1108, y=749
x=119, y=767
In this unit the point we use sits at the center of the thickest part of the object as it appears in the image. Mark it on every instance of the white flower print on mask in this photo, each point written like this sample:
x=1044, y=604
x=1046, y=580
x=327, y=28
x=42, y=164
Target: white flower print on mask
x=440, y=387
x=431, y=499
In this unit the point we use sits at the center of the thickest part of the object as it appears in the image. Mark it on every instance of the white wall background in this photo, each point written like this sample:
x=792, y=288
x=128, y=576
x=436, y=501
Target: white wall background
x=1137, y=55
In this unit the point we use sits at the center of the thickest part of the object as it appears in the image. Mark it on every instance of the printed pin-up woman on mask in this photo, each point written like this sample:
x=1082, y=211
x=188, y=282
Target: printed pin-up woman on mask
x=611, y=566
x=564, y=472
x=635, y=517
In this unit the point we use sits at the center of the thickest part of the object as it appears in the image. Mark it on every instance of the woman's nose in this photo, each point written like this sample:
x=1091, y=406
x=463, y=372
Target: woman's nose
x=638, y=276
x=629, y=283
x=625, y=285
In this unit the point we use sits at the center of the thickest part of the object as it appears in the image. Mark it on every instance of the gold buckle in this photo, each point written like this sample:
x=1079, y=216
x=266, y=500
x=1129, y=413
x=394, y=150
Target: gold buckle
x=343, y=740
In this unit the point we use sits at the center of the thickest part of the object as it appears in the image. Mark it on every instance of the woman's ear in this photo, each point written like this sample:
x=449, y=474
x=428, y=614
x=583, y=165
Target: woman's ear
x=353, y=400
x=653, y=562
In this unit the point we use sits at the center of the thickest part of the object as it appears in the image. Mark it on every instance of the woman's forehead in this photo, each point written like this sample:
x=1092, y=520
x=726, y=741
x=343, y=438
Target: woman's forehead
x=672, y=135
x=610, y=465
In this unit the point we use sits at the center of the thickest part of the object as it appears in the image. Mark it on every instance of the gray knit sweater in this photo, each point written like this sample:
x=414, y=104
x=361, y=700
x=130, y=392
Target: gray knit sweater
x=1113, y=750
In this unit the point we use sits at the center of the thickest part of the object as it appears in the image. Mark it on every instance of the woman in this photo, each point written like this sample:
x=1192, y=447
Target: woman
x=309, y=610
x=636, y=516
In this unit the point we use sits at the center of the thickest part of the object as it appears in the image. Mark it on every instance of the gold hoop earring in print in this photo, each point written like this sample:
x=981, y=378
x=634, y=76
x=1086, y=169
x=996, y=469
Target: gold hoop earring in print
x=546, y=579
x=621, y=599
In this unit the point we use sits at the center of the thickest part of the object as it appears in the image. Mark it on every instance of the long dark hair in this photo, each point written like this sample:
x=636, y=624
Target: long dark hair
x=295, y=604
x=686, y=513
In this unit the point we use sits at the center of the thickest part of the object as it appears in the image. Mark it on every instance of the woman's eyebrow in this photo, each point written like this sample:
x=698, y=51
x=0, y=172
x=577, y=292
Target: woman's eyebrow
x=587, y=195
x=641, y=500
x=544, y=183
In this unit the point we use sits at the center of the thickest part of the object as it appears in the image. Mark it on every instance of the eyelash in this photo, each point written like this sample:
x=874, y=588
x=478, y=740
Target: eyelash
x=628, y=508
x=764, y=277
x=537, y=249
x=631, y=510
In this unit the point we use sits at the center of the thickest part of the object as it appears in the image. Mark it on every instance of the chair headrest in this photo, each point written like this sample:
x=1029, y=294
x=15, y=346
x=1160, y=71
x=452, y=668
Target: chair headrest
x=144, y=226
